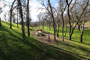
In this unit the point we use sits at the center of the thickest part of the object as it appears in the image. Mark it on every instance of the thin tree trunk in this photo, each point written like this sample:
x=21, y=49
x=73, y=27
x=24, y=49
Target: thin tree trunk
x=17, y=17
x=28, y=19
x=58, y=31
x=70, y=26
x=82, y=31
x=79, y=27
x=54, y=25
x=0, y=22
x=11, y=19
x=11, y=14
x=21, y=14
x=14, y=19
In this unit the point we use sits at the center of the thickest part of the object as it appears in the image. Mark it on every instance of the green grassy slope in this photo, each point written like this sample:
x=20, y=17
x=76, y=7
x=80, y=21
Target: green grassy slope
x=13, y=47
x=75, y=36
x=74, y=47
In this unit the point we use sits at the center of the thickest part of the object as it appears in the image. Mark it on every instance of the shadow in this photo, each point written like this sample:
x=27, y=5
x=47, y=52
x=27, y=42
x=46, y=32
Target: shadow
x=79, y=47
x=3, y=55
x=29, y=49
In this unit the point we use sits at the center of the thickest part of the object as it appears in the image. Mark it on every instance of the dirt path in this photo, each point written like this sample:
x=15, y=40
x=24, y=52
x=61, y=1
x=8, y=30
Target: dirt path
x=44, y=39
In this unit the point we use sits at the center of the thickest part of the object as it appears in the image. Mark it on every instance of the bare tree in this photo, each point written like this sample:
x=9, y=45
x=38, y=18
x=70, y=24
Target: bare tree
x=83, y=21
x=70, y=26
x=28, y=19
x=17, y=17
x=21, y=15
x=11, y=14
x=52, y=15
x=63, y=9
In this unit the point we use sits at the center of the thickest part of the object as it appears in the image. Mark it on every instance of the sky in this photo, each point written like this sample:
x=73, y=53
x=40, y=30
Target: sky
x=34, y=8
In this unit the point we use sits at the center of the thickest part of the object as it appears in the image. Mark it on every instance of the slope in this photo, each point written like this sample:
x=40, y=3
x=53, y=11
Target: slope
x=13, y=47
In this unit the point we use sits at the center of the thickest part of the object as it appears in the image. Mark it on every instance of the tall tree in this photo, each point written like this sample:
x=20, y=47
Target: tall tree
x=79, y=17
x=28, y=19
x=11, y=14
x=21, y=15
x=63, y=9
x=52, y=15
x=70, y=26
x=83, y=22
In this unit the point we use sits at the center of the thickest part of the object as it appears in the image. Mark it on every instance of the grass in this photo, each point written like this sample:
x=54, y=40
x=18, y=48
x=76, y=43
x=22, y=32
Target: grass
x=74, y=47
x=13, y=47
x=75, y=36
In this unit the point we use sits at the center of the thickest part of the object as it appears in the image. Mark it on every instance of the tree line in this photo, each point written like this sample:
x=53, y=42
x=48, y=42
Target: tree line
x=70, y=14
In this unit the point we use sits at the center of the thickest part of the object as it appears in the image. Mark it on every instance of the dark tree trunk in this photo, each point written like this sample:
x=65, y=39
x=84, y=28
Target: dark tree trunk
x=70, y=35
x=11, y=19
x=73, y=29
x=54, y=25
x=17, y=17
x=28, y=19
x=21, y=15
x=70, y=26
x=82, y=31
x=0, y=22
x=11, y=14
x=79, y=27
x=58, y=31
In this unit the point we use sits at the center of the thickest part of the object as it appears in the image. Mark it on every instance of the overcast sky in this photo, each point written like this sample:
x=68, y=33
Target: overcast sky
x=35, y=5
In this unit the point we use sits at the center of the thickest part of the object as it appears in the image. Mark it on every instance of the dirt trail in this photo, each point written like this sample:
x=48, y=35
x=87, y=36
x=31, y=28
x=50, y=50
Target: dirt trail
x=44, y=39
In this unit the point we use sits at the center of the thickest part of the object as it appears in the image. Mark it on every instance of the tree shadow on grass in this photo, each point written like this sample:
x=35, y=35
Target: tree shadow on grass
x=30, y=49
x=76, y=47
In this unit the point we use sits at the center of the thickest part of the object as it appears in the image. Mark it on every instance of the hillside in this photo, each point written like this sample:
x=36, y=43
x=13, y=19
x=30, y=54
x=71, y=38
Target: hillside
x=13, y=47
x=74, y=46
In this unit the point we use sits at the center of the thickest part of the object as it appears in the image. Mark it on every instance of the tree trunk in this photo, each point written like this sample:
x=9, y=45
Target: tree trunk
x=70, y=26
x=11, y=14
x=11, y=19
x=17, y=17
x=21, y=14
x=62, y=27
x=14, y=19
x=70, y=31
x=58, y=31
x=82, y=31
x=0, y=22
x=54, y=25
x=79, y=27
x=28, y=19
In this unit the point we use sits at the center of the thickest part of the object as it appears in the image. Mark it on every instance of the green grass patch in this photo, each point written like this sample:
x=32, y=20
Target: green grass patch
x=13, y=47
x=74, y=47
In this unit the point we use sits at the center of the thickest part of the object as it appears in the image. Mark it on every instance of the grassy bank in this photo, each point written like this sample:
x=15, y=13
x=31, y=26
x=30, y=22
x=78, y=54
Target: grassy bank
x=13, y=47
x=74, y=46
